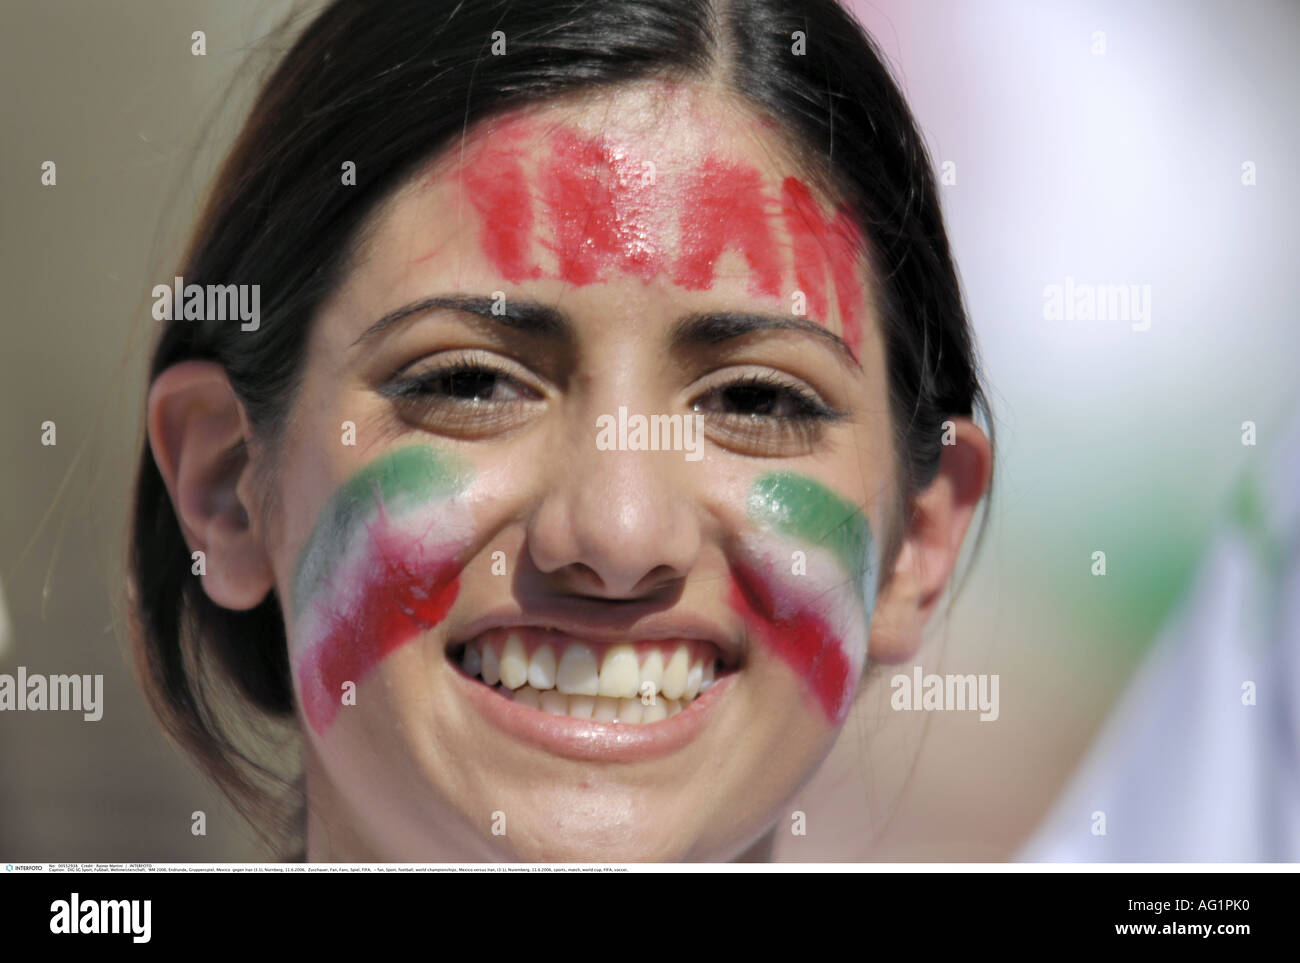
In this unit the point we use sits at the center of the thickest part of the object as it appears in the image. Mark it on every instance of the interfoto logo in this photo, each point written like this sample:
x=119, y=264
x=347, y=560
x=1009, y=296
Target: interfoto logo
x=75, y=915
x=651, y=433
x=212, y=302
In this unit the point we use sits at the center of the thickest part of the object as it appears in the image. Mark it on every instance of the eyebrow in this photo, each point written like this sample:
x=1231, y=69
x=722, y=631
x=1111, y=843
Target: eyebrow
x=535, y=318
x=717, y=327
x=518, y=314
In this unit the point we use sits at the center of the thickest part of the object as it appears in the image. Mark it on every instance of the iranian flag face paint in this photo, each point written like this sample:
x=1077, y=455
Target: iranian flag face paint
x=805, y=584
x=380, y=567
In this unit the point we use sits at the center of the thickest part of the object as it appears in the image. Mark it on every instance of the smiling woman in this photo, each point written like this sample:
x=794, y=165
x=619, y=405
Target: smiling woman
x=498, y=636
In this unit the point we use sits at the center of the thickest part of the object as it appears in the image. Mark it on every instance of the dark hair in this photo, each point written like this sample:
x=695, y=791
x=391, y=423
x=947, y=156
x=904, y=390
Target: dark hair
x=387, y=85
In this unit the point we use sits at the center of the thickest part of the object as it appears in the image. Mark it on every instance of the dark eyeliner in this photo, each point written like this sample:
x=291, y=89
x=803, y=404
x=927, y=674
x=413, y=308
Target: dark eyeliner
x=422, y=386
x=809, y=406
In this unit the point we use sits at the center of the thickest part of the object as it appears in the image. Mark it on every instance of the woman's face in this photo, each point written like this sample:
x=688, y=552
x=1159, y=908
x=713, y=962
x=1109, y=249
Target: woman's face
x=582, y=497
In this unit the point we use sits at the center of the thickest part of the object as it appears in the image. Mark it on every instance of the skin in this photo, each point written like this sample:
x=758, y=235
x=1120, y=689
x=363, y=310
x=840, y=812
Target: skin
x=410, y=771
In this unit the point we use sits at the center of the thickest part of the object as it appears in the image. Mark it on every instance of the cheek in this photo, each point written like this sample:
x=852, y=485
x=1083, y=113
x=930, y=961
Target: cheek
x=804, y=584
x=380, y=568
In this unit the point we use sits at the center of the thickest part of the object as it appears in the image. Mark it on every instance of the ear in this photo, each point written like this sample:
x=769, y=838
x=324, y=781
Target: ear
x=939, y=517
x=198, y=432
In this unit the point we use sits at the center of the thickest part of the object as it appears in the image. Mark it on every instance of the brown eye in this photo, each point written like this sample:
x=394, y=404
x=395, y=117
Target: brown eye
x=762, y=397
x=765, y=415
x=472, y=383
x=466, y=398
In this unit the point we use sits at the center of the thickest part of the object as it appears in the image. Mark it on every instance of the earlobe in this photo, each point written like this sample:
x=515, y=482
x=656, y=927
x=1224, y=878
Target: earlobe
x=939, y=518
x=198, y=433
x=896, y=624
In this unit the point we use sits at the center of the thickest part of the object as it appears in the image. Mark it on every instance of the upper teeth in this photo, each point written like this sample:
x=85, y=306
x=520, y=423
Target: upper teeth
x=621, y=673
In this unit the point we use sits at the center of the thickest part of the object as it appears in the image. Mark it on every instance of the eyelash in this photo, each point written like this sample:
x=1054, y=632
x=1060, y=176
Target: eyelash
x=426, y=398
x=423, y=386
x=807, y=406
x=797, y=433
x=427, y=395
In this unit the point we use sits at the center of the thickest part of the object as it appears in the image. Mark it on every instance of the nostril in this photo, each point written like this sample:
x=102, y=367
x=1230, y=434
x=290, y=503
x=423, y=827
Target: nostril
x=658, y=579
x=579, y=580
x=582, y=579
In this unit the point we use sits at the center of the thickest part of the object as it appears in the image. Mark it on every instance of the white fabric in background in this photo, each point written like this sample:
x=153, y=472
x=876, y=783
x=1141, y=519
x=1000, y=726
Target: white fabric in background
x=1183, y=770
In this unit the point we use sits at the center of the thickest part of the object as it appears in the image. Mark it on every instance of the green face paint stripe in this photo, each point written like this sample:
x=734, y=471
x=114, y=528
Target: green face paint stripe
x=800, y=507
x=415, y=473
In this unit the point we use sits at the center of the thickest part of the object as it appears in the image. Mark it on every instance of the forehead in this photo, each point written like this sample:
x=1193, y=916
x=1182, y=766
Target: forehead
x=675, y=188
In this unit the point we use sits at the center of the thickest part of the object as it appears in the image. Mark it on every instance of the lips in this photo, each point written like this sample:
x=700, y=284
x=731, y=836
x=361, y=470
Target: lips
x=593, y=740
x=592, y=695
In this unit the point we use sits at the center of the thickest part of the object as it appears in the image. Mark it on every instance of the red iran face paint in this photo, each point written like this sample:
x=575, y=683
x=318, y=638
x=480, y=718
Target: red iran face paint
x=602, y=208
x=820, y=244
x=499, y=191
x=726, y=209
x=590, y=208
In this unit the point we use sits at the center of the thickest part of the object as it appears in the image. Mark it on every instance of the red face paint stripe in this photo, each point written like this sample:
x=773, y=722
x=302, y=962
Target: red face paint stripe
x=805, y=641
x=600, y=211
x=399, y=600
x=498, y=190
x=726, y=209
x=821, y=245
x=801, y=214
x=845, y=244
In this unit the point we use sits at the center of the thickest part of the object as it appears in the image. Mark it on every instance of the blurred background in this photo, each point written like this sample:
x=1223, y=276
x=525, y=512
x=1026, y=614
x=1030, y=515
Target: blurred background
x=1099, y=141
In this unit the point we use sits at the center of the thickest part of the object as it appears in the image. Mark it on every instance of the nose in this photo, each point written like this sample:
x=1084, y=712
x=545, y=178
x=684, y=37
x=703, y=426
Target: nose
x=617, y=524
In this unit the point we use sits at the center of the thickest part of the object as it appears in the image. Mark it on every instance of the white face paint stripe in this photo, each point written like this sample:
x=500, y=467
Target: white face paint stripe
x=380, y=569
x=805, y=583
x=424, y=534
x=397, y=482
